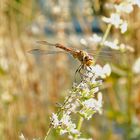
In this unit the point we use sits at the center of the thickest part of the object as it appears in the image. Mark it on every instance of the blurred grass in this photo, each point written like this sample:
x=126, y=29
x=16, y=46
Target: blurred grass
x=30, y=86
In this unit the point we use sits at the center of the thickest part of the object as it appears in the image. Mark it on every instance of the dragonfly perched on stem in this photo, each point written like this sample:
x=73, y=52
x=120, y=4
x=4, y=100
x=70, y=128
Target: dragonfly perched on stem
x=84, y=57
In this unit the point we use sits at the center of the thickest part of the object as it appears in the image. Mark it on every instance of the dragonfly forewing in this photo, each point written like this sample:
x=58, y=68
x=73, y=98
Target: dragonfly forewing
x=42, y=42
x=44, y=52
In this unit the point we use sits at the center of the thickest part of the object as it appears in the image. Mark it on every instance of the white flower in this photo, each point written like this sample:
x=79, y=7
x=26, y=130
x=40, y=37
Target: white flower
x=129, y=48
x=124, y=7
x=66, y=119
x=101, y=72
x=136, y=2
x=66, y=123
x=116, y=46
x=96, y=89
x=6, y=97
x=72, y=129
x=94, y=104
x=117, y=22
x=96, y=82
x=97, y=70
x=124, y=47
x=114, y=20
x=83, y=41
x=123, y=27
x=73, y=107
x=21, y=137
x=112, y=45
x=107, y=70
x=90, y=103
x=95, y=38
x=62, y=132
x=127, y=6
x=55, y=121
x=136, y=66
x=83, y=86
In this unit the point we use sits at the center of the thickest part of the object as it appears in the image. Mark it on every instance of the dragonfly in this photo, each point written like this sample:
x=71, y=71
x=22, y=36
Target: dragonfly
x=86, y=59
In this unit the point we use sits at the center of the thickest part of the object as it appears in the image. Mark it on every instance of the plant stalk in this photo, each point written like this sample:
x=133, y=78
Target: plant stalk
x=79, y=125
x=103, y=39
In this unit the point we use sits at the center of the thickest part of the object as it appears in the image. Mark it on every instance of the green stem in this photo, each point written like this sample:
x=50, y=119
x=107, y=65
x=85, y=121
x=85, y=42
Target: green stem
x=48, y=132
x=79, y=124
x=106, y=33
x=103, y=39
x=129, y=104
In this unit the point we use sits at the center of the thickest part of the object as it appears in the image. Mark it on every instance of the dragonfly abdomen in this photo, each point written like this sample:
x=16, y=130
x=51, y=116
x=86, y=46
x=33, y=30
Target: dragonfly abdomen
x=63, y=47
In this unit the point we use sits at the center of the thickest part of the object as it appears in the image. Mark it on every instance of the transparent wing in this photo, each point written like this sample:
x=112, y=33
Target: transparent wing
x=100, y=55
x=44, y=52
x=111, y=56
x=42, y=42
x=108, y=54
x=107, y=51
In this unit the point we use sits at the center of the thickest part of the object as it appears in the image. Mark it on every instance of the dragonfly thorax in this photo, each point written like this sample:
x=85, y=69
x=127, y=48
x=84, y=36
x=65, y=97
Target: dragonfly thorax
x=85, y=58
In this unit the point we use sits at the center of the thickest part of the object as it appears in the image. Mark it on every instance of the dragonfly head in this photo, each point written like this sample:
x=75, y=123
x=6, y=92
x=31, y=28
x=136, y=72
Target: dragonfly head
x=84, y=57
x=88, y=60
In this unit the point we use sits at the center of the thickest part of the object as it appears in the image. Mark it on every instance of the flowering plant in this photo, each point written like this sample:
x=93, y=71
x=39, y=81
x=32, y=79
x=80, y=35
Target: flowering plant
x=85, y=98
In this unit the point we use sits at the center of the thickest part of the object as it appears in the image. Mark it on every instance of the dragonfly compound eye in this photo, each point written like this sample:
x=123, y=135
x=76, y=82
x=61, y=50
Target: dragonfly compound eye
x=87, y=58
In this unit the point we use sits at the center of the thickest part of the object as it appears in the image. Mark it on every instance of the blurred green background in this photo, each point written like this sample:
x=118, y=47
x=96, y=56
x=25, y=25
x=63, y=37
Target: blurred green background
x=30, y=86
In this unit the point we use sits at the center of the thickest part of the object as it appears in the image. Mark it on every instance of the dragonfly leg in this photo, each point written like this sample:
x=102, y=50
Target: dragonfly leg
x=88, y=71
x=82, y=75
x=77, y=71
